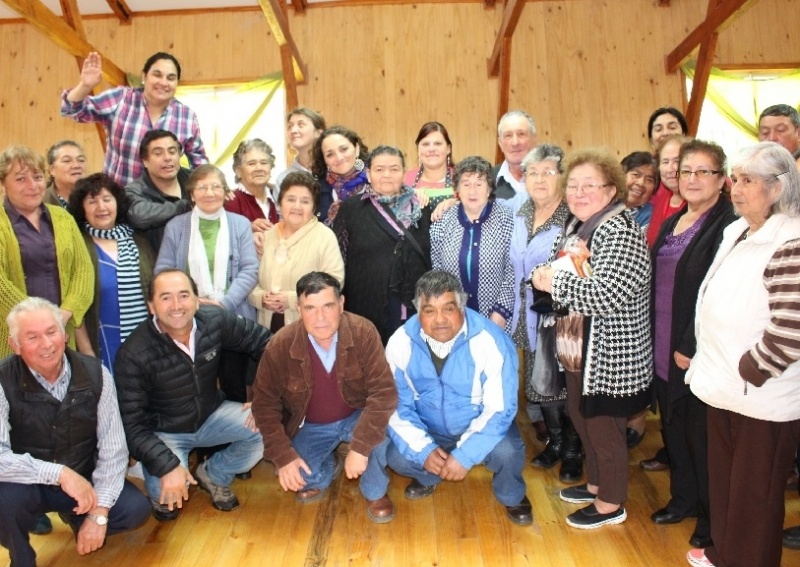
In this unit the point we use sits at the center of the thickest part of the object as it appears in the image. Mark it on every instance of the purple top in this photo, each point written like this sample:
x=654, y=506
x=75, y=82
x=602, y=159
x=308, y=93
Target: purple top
x=37, y=249
x=667, y=258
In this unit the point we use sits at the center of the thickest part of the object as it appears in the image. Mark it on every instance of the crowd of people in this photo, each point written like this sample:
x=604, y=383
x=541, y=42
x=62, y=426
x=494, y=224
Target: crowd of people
x=151, y=310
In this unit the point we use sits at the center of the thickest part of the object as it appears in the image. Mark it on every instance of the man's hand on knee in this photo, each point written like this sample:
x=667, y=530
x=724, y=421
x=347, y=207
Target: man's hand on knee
x=91, y=536
x=250, y=422
x=80, y=489
x=355, y=464
x=175, y=487
x=290, y=476
x=453, y=470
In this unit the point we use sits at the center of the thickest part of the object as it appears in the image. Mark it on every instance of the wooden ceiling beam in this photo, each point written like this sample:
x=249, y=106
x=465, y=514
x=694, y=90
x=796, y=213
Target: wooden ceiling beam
x=121, y=11
x=511, y=14
x=716, y=20
x=702, y=72
x=299, y=6
x=505, y=85
x=276, y=19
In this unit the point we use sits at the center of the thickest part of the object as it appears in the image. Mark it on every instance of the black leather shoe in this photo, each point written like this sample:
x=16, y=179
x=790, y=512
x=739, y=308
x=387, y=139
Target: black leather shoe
x=571, y=470
x=652, y=465
x=417, y=490
x=665, y=516
x=41, y=525
x=791, y=537
x=522, y=513
x=162, y=513
x=634, y=438
x=700, y=542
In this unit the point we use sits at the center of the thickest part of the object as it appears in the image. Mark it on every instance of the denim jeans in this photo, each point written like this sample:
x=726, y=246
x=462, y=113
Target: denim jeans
x=315, y=443
x=21, y=504
x=225, y=425
x=506, y=461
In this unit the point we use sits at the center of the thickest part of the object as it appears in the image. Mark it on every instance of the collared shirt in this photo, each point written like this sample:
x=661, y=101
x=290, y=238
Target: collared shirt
x=189, y=350
x=442, y=350
x=123, y=112
x=37, y=249
x=518, y=185
x=112, y=461
x=327, y=357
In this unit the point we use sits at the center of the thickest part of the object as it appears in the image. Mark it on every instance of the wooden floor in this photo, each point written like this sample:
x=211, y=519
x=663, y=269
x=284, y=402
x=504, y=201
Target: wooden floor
x=460, y=526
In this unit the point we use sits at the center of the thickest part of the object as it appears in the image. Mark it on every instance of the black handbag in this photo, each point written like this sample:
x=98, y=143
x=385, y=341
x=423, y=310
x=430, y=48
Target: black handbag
x=547, y=379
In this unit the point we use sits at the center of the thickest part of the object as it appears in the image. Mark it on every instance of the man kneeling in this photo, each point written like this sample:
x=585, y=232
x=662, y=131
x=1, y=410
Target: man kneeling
x=62, y=446
x=456, y=376
x=324, y=380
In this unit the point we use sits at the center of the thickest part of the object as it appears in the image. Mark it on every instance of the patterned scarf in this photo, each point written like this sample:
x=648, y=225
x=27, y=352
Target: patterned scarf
x=404, y=205
x=345, y=186
x=132, y=308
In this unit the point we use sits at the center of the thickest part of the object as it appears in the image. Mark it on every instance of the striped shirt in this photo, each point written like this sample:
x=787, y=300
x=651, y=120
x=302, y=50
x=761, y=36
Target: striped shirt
x=123, y=112
x=112, y=459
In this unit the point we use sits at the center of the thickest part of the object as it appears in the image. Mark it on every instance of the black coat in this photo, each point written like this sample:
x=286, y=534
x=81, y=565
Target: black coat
x=160, y=388
x=689, y=274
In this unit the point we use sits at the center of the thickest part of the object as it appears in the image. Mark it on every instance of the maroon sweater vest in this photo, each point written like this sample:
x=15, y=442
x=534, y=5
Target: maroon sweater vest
x=326, y=404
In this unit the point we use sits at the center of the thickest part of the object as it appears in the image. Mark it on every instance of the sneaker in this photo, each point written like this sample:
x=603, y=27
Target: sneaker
x=162, y=513
x=221, y=496
x=577, y=494
x=589, y=518
x=41, y=525
x=697, y=557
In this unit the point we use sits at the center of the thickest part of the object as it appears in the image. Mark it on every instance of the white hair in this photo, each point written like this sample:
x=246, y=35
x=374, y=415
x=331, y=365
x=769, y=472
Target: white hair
x=28, y=305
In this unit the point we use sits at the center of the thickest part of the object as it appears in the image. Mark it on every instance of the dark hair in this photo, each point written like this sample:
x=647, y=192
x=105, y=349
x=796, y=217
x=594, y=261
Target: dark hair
x=714, y=151
x=638, y=159
x=314, y=282
x=158, y=57
x=429, y=128
x=436, y=283
x=317, y=120
x=150, y=137
x=667, y=110
x=384, y=150
x=782, y=110
x=51, y=151
x=300, y=179
x=90, y=187
x=151, y=289
x=318, y=166
x=474, y=164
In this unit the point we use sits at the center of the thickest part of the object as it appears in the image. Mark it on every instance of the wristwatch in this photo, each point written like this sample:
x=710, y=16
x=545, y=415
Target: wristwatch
x=98, y=519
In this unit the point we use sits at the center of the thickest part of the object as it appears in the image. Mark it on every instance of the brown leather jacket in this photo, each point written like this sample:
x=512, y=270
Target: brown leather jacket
x=283, y=386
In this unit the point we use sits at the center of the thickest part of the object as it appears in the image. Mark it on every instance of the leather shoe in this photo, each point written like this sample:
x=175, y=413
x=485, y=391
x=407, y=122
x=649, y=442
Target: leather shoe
x=522, y=513
x=542, y=433
x=310, y=495
x=652, y=465
x=791, y=537
x=41, y=525
x=665, y=516
x=381, y=511
x=700, y=542
x=634, y=438
x=161, y=512
x=416, y=490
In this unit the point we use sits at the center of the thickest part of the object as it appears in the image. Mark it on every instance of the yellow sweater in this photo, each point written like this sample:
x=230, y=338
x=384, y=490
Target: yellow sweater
x=75, y=272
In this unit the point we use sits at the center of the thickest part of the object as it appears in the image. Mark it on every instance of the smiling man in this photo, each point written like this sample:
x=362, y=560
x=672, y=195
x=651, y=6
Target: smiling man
x=166, y=373
x=516, y=136
x=62, y=447
x=159, y=194
x=456, y=376
x=323, y=381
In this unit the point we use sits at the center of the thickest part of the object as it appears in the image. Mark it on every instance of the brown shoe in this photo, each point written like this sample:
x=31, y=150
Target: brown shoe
x=652, y=465
x=380, y=511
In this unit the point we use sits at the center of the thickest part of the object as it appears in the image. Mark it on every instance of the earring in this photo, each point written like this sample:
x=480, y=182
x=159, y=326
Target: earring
x=359, y=164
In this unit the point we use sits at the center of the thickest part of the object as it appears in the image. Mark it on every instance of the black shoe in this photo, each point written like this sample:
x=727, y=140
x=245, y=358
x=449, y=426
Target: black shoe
x=666, y=516
x=246, y=475
x=571, y=470
x=577, y=494
x=162, y=513
x=791, y=537
x=416, y=490
x=589, y=518
x=634, y=438
x=700, y=542
x=41, y=525
x=550, y=457
x=652, y=465
x=554, y=418
x=522, y=513
x=572, y=454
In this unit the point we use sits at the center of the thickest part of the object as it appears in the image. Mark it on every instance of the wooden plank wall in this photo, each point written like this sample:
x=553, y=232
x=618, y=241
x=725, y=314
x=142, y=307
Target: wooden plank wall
x=589, y=71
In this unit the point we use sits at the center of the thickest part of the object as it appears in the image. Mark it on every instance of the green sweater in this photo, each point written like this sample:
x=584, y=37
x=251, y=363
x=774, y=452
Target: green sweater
x=75, y=272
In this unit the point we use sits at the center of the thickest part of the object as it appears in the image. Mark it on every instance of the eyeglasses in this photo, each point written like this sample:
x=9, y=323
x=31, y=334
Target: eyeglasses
x=534, y=174
x=700, y=173
x=215, y=188
x=586, y=188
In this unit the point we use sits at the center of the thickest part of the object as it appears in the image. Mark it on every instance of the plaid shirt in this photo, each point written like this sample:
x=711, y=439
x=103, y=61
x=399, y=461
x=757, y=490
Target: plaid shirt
x=123, y=112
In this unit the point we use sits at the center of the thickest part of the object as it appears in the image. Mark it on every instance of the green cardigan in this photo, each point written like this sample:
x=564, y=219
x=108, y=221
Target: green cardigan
x=75, y=272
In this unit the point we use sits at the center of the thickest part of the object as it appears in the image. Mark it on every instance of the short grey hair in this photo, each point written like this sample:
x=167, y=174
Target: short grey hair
x=514, y=114
x=544, y=152
x=773, y=164
x=244, y=147
x=438, y=282
x=28, y=305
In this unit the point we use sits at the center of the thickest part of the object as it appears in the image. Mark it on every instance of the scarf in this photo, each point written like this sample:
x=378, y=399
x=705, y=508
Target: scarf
x=585, y=229
x=132, y=308
x=404, y=205
x=344, y=186
x=209, y=285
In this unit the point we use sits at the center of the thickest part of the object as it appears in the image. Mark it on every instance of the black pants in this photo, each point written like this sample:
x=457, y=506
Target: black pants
x=21, y=504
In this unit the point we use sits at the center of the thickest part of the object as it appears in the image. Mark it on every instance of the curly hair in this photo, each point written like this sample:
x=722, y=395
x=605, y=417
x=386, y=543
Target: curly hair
x=605, y=162
x=318, y=167
x=91, y=186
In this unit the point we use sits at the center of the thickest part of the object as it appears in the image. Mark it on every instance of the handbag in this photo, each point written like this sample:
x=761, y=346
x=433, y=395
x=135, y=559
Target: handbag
x=547, y=378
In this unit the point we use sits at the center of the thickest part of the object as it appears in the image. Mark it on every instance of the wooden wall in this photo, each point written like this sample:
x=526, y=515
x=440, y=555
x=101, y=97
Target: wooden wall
x=589, y=71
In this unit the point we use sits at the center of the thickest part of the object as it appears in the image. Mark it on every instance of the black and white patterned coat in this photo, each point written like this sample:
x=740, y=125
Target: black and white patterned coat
x=615, y=300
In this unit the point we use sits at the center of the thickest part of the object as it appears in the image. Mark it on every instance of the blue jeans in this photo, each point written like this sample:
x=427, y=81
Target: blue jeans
x=506, y=461
x=225, y=425
x=23, y=503
x=315, y=443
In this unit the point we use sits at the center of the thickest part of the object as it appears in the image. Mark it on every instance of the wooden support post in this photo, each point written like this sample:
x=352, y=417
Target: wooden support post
x=700, y=83
x=505, y=85
x=276, y=19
